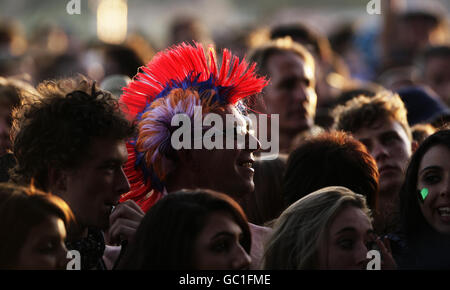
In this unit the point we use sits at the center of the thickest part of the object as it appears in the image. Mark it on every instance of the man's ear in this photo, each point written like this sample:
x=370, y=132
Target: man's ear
x=414, y=146
x=57, y=180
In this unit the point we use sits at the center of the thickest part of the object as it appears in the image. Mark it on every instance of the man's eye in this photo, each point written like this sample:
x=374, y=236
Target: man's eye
x=307, y=82
x=346, y=244
x=47, y=247
x=389, y=139
x=111, y=167
x=371, y=245
x=221, y=246
x=287, y=85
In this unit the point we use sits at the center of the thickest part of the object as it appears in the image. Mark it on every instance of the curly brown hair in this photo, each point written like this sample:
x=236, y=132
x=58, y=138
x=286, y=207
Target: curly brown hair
x=58, y=130
x=362, y=112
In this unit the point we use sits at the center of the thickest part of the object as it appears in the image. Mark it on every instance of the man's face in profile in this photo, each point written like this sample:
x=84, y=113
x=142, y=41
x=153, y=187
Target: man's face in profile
x=96, y=185
x=226, y=170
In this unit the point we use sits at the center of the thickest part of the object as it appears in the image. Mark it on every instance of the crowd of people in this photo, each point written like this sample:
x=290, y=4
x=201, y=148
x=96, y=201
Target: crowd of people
x=88, y=161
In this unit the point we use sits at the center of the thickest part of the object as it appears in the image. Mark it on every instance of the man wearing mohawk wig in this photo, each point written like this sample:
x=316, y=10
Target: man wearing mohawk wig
x=180, y=81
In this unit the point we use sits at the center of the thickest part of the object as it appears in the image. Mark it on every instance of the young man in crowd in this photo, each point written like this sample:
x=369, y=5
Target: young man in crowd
x=291, y=91
x=71, y=143
x=380, y=123
x=180, y=84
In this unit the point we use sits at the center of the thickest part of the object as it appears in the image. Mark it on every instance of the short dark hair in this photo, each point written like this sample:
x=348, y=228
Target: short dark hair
x=331, y=159
x=311, y=39
x=412, y=221
x=261, y=54
x=166, y=236
x=21, y=209
x=58, y=130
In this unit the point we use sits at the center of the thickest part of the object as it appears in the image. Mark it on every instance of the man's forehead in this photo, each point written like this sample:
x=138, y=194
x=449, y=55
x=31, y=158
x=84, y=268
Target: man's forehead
x=234, y=115
x=379, y=127
x=108, y=149
x=284, y=62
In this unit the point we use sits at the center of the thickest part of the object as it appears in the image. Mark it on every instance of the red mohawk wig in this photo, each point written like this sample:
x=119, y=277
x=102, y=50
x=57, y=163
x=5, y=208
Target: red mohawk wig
x=183, y=67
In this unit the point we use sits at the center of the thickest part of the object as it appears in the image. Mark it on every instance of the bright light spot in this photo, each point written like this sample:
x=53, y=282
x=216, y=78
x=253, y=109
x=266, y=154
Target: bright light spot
x=112, y=21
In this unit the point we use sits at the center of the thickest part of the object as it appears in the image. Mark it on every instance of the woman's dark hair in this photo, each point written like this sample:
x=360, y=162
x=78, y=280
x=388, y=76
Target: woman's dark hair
x=411, y=217
x=166, y=236
x=21, y=209
x=331, y=159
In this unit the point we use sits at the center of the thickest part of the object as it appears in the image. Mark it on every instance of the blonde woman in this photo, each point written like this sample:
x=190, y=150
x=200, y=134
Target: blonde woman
x=330, y=228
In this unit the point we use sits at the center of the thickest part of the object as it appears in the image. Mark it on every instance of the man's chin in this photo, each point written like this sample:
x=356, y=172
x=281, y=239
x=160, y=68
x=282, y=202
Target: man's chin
x=103, y=224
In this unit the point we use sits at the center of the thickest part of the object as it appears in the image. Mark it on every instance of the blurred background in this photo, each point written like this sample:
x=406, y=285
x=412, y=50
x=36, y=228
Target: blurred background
x=101, y=38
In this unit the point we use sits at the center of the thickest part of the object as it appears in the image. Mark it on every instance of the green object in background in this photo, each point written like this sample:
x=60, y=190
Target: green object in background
x=424, y=193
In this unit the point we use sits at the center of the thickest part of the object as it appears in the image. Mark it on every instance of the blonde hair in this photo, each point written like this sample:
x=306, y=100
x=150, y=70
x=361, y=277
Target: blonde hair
x=299, y=230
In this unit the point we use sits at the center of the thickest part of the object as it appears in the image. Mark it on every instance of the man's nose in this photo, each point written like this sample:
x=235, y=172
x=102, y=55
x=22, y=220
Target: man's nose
x=300, y=94
x=241, y=260
x=379, y=152
x=361, y=256
x=123, y=185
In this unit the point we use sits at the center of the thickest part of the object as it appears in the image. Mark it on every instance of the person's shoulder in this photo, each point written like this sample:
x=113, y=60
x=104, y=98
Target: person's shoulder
x=259, y=230
x=401, y=252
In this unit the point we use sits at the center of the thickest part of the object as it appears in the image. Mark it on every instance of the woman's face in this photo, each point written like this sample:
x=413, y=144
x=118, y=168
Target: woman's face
x=433, y=180
x=348, y=239
x=218, y=246
x=44, y=247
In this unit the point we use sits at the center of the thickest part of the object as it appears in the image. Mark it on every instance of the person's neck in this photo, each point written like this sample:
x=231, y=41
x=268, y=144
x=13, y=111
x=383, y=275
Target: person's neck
x=388, y=197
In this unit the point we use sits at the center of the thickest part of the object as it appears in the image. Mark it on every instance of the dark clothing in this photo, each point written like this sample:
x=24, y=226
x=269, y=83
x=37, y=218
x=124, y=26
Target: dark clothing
x=91, y=250
x=428, y=251
x=422, y=105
